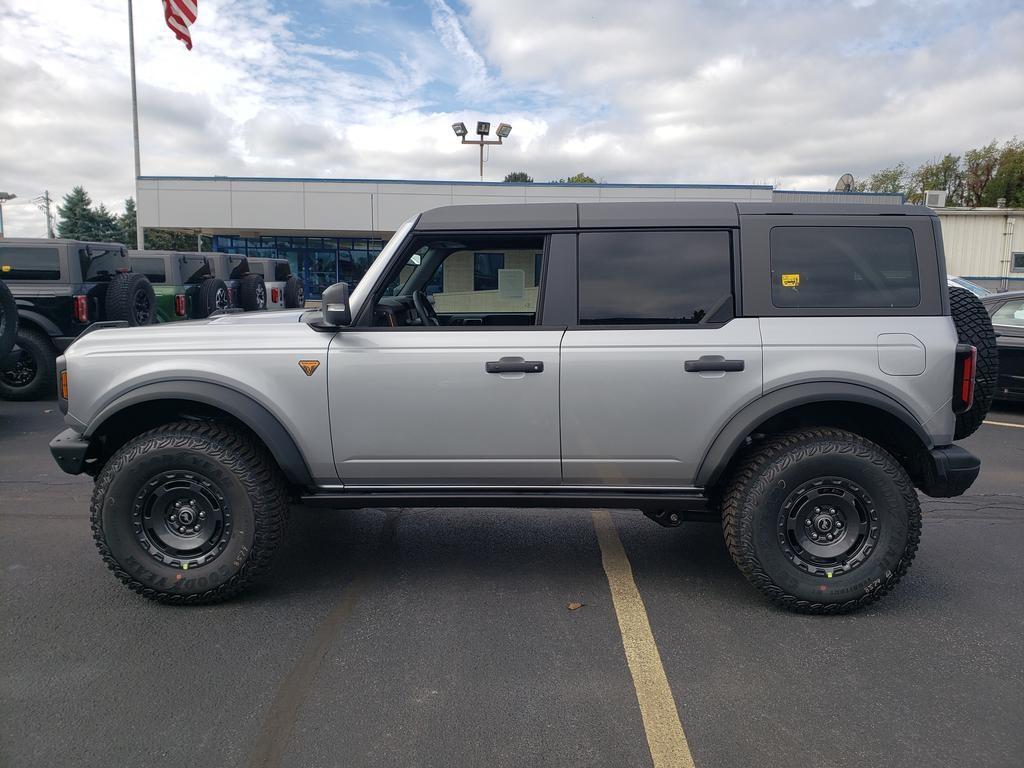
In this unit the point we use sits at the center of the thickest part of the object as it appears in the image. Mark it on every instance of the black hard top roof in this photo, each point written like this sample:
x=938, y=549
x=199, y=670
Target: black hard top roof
x=639, y=214
x=55, y=241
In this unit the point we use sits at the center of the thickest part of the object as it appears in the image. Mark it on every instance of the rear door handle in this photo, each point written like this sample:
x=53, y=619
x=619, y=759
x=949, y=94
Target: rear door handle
x=514, y=365
x=712, y=363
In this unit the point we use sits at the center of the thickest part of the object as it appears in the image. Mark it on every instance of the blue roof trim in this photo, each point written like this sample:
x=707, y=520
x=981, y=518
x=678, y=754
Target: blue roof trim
x=457, y=183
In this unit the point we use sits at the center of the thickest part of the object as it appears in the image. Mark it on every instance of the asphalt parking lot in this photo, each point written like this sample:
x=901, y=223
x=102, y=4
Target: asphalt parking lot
x=436, y=637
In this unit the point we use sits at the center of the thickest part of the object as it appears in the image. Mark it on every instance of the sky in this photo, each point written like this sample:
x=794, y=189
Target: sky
x=665, y=91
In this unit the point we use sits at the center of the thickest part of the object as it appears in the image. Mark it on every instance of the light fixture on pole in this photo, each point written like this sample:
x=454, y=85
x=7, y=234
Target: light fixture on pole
x=4, y=197
x=483, y=129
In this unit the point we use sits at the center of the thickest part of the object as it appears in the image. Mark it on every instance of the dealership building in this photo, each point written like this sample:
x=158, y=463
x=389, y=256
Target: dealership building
x=331, y=229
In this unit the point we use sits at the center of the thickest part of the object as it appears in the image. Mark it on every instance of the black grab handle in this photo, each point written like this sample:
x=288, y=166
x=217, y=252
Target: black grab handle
x=514, y=365
x=713, y=363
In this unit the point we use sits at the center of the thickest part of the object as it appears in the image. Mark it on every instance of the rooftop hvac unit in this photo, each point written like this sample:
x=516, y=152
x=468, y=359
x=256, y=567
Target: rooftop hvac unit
x=935, y=198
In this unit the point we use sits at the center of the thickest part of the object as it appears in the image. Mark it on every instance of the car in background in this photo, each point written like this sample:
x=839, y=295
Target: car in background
x=284, y=290
x=1007, y=313
x=959, y=282
x=246, y=289
x=61, y=287
x=184, y=284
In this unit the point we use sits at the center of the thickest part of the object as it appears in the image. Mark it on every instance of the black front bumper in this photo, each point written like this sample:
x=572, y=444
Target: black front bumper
x=948, y=471
x=69, y=449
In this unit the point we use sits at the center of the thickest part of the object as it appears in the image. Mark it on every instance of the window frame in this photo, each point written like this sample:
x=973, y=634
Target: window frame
x=1014, y=255
x=364, y=320
x=734, y=272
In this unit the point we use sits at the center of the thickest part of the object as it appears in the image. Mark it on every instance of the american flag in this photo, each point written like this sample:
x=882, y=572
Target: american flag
x=180, y=15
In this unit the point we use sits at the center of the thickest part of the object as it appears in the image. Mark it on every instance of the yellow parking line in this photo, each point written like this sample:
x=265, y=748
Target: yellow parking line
x=665, y=736
x=1004, y=424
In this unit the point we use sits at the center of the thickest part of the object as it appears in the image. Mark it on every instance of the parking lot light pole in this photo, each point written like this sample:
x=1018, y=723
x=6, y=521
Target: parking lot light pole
x=4, y=197
x=482, y=130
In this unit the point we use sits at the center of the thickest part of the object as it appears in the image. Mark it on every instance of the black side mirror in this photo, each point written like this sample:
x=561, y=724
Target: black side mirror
x=334, y=303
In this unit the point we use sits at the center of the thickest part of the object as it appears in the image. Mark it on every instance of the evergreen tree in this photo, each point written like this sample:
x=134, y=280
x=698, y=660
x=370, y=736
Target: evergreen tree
x=75, y=216
x=521, y=177
x=104, y=225
x=126, y=224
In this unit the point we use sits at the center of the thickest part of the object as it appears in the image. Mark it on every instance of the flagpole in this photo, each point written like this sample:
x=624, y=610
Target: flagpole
x=135, y=127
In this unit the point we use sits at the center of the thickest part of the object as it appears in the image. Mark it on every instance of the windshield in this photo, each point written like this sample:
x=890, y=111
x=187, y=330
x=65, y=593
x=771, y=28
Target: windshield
x=378, y=266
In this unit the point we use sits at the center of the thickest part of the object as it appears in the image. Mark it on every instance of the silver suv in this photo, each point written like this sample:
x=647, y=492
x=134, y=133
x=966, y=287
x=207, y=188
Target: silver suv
x=794, y=371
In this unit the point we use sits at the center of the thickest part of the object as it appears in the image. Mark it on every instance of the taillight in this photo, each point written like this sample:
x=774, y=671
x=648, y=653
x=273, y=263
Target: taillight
x=231, y=296
x=963, y=377
x=275, y=295
x=64, y=385
x=179, y=305
x=81, y=309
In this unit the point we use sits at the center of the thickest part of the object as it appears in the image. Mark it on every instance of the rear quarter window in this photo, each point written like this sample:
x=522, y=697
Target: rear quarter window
x=150, y=266
x=844, y=267
x=28, y=263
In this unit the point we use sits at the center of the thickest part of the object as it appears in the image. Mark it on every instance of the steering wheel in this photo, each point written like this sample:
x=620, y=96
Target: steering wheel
x=425, y=309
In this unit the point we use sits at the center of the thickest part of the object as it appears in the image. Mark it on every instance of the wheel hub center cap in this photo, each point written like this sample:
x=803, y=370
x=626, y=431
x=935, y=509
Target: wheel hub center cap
x=824, y=523
x=187, y=515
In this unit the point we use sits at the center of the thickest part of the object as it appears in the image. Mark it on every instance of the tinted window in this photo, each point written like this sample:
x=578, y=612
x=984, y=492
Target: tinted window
x=842, y=267
x=19, y=263
x=654, y=278
x=99, y=263
x=193, y=268
x=150, y=266
x=1011, y=313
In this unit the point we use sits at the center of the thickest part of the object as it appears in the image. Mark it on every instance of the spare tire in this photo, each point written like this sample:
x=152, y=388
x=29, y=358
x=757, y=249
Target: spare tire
x=213, y=295
x=973, y=326
x=294, y=293
x=8, y=320
x=253, y=293
x=130, y=297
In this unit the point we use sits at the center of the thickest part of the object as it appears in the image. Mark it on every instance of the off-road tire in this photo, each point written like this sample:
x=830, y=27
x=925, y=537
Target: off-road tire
x=41, y=386
x=8, y=321
x=973, y=326
x=294, y=293
x=252, y=293
x=130, y=297
x=213, y=295
x=767, y=477
x=253, y=490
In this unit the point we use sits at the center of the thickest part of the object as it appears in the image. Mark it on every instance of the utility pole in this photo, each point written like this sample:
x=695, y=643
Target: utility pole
x=139, y=238
x=44, y=201
x=4, y=197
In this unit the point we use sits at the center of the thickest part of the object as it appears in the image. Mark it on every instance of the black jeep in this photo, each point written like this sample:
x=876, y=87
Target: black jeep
x=61, y=287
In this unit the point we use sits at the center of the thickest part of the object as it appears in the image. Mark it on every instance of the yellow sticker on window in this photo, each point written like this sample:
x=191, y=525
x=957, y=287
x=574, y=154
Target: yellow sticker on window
x=791, y=281
x=5, y=268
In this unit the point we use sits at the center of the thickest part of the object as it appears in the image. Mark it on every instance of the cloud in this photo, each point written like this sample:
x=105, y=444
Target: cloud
x=661, y=91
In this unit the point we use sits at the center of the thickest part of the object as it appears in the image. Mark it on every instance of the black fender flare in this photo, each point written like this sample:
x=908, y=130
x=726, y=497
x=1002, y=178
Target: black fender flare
x=46, y=325
x=731, y=437
x=248, y=411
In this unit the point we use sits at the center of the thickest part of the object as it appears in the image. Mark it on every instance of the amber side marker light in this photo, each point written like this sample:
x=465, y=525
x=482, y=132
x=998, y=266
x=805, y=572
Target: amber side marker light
x=64, y=385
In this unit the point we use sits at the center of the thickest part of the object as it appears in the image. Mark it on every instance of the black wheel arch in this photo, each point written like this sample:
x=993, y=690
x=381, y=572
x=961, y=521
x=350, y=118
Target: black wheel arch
x=151, y=405
x=854, y=407
x=27, y=319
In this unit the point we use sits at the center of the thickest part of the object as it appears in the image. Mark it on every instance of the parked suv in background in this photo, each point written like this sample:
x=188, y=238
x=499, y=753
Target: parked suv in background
x=61, y=287
x=184, y=284
x=793, y=371
x=246, y=289
x=284, y=290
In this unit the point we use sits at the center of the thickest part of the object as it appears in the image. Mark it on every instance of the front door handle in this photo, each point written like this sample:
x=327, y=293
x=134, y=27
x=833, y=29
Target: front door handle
x=514, y=365
x=712, y=363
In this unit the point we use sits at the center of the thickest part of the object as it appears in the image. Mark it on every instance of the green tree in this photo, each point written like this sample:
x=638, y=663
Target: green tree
x=1008, y=179
x=893, y=180
x=126, y=224
x=75, y=216
x=979, y=168
x=104, y=225
x=521, y=177
x=579, y=178
x=939, y=174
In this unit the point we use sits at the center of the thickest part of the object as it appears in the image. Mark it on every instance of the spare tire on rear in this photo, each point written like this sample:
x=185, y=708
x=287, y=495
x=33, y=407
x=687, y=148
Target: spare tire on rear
x=130, y=297
x=253, y=293
x=294, y=293
x=213, y=295
x=8, y=321
x=973, y=326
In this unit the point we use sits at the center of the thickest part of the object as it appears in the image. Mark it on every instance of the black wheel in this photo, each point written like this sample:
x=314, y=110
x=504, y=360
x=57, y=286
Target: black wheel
x=294, y=293
x=213, y=295
x=130, y=297
x=8, y=321
x=30, y=371
x=973, y=326
x=821, y=520
x=253, y=293
x=189, y=512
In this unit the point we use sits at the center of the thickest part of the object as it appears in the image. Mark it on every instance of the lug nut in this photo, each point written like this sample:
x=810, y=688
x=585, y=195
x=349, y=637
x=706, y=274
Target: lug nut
x=807, y=521
x=829, y=537
x=173, y=517
x=814, y=536
x=178, y=503
x=839, y=523
x=181, y=529
x=202, y=515
x=817, y=509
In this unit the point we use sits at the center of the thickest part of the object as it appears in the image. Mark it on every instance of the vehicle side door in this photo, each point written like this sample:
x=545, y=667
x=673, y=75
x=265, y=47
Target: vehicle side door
x=657, y=362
